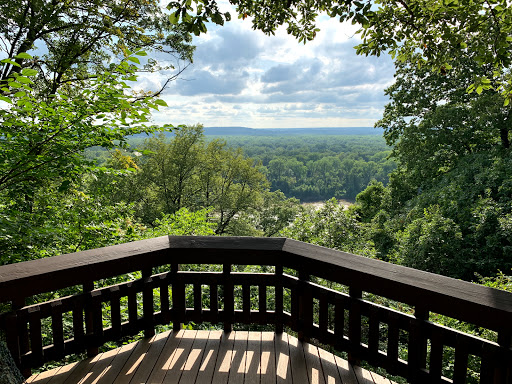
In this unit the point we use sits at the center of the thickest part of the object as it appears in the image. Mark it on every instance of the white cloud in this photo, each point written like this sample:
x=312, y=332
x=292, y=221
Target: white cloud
x=242, y=77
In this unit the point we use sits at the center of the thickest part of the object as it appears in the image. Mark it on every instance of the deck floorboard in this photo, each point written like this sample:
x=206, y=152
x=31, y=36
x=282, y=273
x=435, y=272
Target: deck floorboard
x=199, y=357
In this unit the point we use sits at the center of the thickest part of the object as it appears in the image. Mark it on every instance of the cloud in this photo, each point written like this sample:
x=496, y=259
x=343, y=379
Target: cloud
x=241, y=77
x=202, y=82
x=228, y=49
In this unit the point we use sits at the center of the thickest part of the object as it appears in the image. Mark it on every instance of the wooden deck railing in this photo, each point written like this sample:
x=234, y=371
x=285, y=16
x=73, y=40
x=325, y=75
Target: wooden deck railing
x=37, y=333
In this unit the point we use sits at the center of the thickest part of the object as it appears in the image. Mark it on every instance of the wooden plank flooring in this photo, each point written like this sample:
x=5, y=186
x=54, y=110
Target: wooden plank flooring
x=189, y=357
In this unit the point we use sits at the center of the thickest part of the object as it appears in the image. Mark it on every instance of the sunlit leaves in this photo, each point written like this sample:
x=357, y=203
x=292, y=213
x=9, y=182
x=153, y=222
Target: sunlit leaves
x=46, y=138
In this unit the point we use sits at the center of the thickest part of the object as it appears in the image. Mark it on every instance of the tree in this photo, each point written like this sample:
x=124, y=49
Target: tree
x=439, y=31
x=186, y=172
x=65, y=75
x=171, y=167
x=77, y=94
x=447, y=206
x=432, y=121
x=82, y=39
x=44, y=140
x=331, y=226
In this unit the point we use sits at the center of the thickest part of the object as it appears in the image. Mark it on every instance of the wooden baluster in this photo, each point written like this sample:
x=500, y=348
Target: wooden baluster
x=164, y=298
x=503, y=374
x=97, y=319
x=214, y=302
x=279, y=299
x=339, y=323
x=294, y=307
x=262, y=303
x=461, y=360
x=11, y=328
x=178, y=298
x=436, y=356
x=57, y=329
x=36, y=341
x=229, y=299
x=373, y=331
x=132, y=307
x=417, y=345
x=305, y=307
x=19, y=303
x=354, y=325
x=487, y=367
x=246, y=303
x=147, y=303
x=78, y=324
x=323, y=321
x=115, y=311
x=198, y=302
x=91, y=349
x=393, y=340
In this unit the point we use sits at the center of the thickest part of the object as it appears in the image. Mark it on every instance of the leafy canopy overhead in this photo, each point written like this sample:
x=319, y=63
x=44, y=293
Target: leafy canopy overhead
x=66, y=75
x=432, y=33
x=72, y=41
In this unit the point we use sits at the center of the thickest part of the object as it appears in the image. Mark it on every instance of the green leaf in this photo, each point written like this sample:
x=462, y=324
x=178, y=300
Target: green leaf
x=9, y=61
x=20, y=94
x=161, y=102
x=14, y=84
x=28, y=72
x=133, y=59
x=24, y=80
x=174, y=17
x=6, y=99
x=23, y=55
x=141, y=53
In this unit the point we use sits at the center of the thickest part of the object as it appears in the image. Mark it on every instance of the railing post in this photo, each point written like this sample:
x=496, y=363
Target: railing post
x=115, y=311
x=178, y=298
x=305, y=307
x=13, y=344
x=354, y=326
x=279, y=299
x=87, y=288
x=417, y=344
x=503, y=373
x=22, y=334
x=229, y=299
x=147, y=302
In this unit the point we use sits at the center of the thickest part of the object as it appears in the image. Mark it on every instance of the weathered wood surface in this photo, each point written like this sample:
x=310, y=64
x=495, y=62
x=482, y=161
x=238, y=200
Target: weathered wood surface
x=212, y=357
x=485, y=306
x=313, y=311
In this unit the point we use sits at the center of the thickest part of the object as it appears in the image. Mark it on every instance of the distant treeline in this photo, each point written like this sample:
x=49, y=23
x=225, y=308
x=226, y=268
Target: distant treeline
x=309, y=167
x=314, y=168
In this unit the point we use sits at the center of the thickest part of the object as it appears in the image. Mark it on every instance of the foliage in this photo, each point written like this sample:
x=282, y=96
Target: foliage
x=183, y=222
x=431, y=243
x=73, y=42
x=331, y=226
x=72, y=93
x=44, y=140
x=187, y=172
x=316, y=168
x=447, y=206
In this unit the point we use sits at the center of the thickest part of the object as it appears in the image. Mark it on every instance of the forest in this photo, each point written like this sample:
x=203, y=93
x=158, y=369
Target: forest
x=435, y=193
x=306, y=167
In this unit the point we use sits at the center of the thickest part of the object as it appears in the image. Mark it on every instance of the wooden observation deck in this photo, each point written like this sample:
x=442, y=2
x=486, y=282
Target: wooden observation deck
x=201, y=357
x=325, y=297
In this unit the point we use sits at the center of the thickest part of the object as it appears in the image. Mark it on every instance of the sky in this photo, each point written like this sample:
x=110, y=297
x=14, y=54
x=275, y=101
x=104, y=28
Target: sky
x=241, y=77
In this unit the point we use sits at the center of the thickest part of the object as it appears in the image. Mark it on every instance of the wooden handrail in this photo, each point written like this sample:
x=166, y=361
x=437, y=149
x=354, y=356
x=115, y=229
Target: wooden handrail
x=424, y=292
